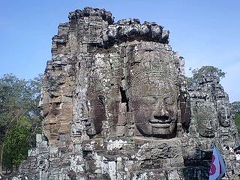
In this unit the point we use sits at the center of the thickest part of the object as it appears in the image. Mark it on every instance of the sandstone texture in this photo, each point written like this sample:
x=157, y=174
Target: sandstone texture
x=116, y=106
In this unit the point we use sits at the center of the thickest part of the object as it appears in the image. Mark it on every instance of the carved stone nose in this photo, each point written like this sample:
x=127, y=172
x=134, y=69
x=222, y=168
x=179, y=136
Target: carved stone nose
x=160, y=112
x=209, y=125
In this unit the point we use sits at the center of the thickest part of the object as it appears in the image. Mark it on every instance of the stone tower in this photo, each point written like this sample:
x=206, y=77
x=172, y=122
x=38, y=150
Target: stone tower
x=115, y=105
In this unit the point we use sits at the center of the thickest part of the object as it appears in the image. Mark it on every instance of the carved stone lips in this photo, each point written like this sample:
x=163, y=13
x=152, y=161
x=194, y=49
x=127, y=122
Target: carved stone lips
x=209, y=133
x=158, y=121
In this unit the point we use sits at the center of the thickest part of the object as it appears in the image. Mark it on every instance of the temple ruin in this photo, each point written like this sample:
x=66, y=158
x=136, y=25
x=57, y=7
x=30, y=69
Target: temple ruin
x=116, y=105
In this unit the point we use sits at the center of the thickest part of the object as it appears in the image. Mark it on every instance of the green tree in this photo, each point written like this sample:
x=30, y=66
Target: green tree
x=16, y=144
x=203, y=72
x=18, y=99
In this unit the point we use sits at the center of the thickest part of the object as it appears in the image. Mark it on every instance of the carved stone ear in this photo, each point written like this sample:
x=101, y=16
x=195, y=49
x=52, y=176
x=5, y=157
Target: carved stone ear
x=185, y=108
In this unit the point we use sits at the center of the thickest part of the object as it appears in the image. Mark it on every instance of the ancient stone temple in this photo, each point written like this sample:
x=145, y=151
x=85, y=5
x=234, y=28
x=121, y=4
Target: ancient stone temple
x=116, y=106
x=211, y=118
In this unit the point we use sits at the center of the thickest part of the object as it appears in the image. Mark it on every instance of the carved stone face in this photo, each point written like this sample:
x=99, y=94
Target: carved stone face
x=155, y=94
x=156, y=115
x=155, y=105
x=224, y=116
x=206, y=118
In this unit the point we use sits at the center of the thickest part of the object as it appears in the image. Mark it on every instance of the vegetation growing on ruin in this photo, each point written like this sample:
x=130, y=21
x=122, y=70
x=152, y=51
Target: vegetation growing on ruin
x=204, y=71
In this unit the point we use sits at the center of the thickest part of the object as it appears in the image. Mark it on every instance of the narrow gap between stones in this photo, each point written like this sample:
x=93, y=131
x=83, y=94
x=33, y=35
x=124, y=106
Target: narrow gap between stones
x=124, y=98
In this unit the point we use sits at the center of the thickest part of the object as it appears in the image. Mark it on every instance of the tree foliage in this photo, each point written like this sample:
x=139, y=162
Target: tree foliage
x=18, y=105
x=16, y=144
x=207, y=70
x=203, y=72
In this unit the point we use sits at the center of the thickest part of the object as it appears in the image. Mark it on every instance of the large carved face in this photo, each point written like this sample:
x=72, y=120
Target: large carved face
x=224, y=116
x=156, y=115
x=155, y=95
x=206, y=118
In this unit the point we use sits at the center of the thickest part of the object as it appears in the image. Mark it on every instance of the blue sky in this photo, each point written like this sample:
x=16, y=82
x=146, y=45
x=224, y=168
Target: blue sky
x=204, y=32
